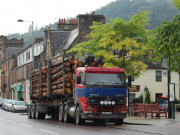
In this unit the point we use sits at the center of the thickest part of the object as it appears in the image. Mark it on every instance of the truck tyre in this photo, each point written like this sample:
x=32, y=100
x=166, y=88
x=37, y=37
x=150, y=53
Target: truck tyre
x=66, y=116
x=37, y=114
x=29, y=111
x=33, y=111
x=42, y=116
x=61, y=113
x=119, y=122
x=79, y=120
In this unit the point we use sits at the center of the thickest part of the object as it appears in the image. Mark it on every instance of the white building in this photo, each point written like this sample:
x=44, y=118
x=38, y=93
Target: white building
x=155, y=79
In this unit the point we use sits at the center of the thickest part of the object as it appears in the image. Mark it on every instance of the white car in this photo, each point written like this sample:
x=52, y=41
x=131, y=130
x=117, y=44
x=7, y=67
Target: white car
x=9, y=104
x=18, y=106
x=4, y=104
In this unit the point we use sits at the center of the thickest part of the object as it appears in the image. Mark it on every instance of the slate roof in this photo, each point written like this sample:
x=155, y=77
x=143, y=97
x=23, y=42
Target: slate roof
x=13, y=50
x=156, y=66
x=71, y=38
x=58, y=39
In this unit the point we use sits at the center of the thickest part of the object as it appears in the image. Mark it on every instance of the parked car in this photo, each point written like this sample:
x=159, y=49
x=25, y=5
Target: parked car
x=19, y=106
x=9, y=104
x=4, y=104
x=1, y=101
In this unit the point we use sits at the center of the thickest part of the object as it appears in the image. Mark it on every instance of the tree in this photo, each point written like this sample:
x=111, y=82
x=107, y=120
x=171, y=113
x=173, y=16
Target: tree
x=166, y=43
x=148, y=97
x=122, y=36
x=176, y=3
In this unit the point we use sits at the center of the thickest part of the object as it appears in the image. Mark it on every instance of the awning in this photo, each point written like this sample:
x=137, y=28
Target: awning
x=18, y=87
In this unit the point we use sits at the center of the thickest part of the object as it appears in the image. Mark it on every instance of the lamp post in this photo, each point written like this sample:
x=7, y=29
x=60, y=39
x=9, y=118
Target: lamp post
x=32, y=41
x=169, y=81
x=124, y=57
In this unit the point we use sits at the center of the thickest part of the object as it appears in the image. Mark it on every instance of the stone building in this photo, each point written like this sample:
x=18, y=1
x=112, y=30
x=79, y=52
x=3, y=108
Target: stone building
x=9, y=49
x=20, y=75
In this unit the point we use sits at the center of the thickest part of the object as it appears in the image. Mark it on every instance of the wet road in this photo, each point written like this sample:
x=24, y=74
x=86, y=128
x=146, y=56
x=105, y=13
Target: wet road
x=17, y=124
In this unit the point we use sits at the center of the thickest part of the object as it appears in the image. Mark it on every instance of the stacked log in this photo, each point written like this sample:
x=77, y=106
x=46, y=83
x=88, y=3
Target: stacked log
x=57, y=76
x=44, y=81
x=36, y=82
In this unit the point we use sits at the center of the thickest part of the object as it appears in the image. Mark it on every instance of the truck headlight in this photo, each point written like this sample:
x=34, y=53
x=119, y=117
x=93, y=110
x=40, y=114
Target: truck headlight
x=113, y=102
x=105, y=102
x=101, y=102
x=109, y=102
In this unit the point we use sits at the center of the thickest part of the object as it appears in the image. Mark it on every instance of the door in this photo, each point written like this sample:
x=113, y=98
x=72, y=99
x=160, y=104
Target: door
x=158, y=95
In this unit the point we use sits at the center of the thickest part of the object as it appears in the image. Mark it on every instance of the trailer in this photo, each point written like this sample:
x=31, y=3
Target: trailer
x=72, y=91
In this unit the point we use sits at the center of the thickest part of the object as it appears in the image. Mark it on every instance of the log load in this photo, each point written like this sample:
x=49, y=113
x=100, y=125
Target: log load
x=56, y=70
x=56, y=76
x=57, y=82
x=35, y=85
x=44, y=84
x=56, y=64
x=44, y=94
x=35, y=95
x=68, y=69
x=57, y=92
x=69, y=75
x=44, y=89
x=35, y=92
x=71, y=61
x=68, y=84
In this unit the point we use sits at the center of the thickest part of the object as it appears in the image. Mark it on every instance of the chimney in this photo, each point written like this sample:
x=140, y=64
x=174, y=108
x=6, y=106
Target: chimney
x=38, y=40
x=85, y=21
x=63, y=26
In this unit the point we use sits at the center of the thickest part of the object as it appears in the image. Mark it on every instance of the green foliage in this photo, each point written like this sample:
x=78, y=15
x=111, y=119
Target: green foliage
x=28, y=37
x=141, y=97
x=126, y=37
x=176, y=3
x=166, y=42
x=125, y=9
x=148, y=97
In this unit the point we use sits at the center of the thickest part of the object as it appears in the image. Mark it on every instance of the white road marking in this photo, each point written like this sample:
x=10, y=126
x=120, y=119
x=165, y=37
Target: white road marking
x=48, y=131
x=11, y=121
x=25, y=125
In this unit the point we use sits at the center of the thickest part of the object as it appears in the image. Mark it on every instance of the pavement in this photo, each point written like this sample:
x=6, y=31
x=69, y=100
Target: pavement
x=137, y=120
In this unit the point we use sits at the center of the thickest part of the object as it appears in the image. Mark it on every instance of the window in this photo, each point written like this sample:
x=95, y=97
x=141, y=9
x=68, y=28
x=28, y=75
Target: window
x=28, y=55
x=158, y=76
x=19, y=60
x=23, y=58
x=82, y=78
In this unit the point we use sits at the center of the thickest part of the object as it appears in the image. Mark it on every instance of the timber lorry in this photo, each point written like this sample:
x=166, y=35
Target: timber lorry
x=72, y=93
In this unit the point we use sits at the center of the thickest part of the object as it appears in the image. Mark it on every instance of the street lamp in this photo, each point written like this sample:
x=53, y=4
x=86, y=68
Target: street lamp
x=32, y=41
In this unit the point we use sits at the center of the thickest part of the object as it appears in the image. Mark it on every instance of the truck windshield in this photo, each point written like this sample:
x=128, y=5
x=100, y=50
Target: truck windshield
x=105, y=80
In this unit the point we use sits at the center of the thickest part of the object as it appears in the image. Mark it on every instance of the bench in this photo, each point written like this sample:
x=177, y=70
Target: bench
x=139, y=109
x=155, y=109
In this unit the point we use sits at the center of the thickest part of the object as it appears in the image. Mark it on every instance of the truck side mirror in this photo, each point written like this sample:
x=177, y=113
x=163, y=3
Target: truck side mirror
x=78, y=79
x=129, y=80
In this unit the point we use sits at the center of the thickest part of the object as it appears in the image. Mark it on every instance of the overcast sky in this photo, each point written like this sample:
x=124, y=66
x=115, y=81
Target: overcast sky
x=41, y=12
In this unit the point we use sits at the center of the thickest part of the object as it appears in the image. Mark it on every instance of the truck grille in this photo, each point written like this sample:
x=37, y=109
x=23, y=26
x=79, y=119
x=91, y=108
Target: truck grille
x=106, y=109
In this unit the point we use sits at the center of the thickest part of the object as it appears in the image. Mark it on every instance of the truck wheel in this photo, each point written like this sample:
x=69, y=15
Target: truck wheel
x=42, y=115
x=79, y=120
x=119, y=122
x=61, y=114
x=37, y=114
x=66, y=115
x=29, y=111
x=33, y=111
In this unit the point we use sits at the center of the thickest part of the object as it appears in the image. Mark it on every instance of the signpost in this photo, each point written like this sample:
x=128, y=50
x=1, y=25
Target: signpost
x=172, y=97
